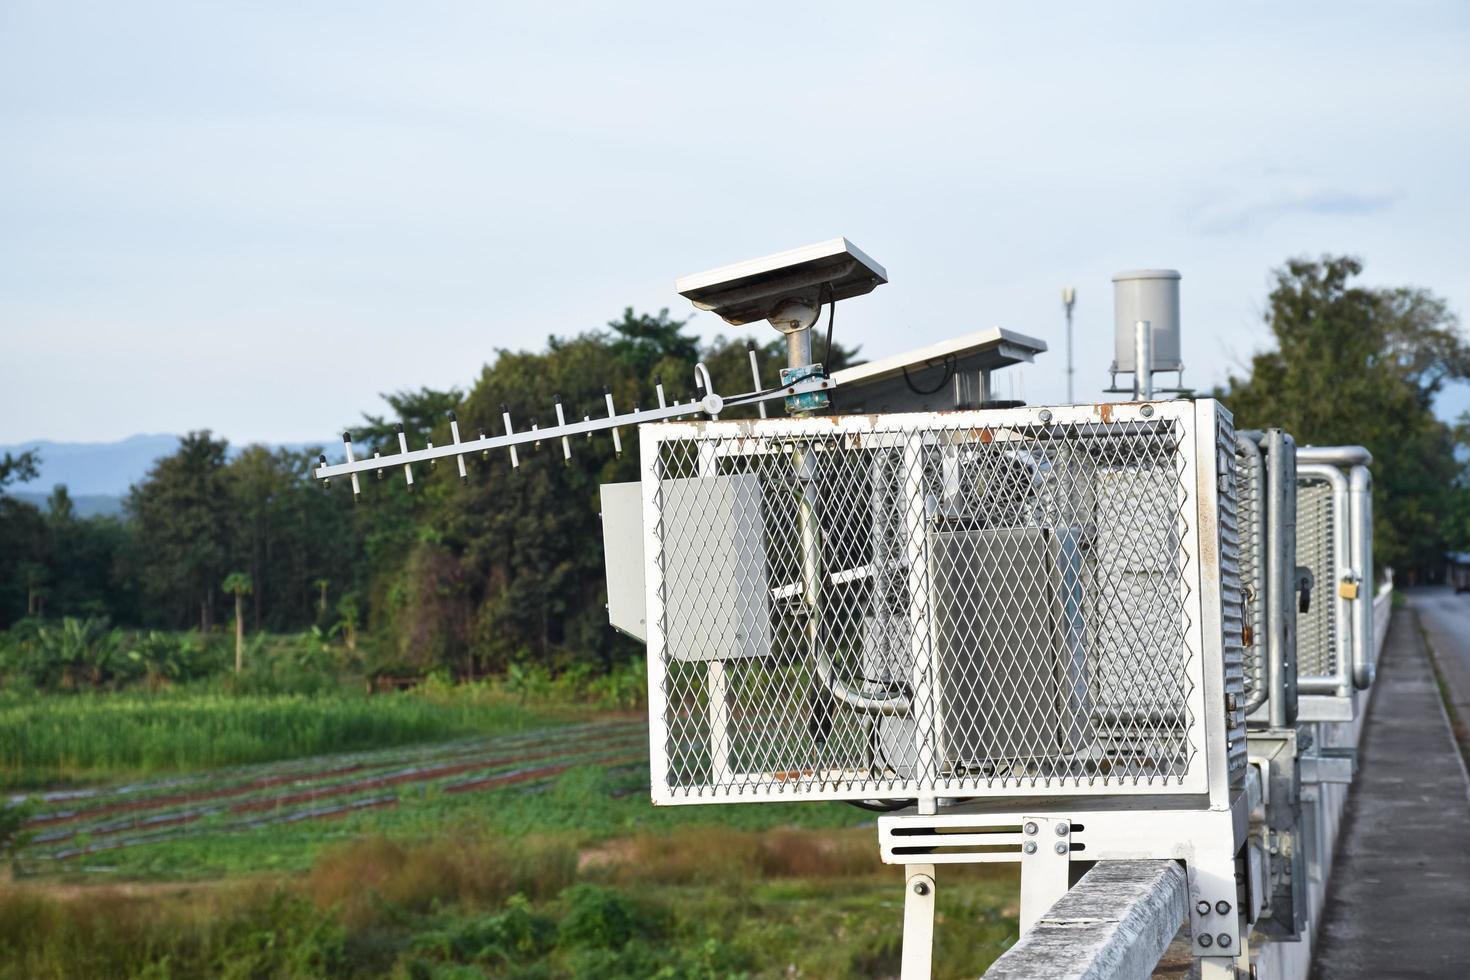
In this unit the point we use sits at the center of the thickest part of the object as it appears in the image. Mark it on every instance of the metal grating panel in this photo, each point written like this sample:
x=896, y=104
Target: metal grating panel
x=967, y=603
x=1232, y=595
x=1250, y=502
x=1316, y=638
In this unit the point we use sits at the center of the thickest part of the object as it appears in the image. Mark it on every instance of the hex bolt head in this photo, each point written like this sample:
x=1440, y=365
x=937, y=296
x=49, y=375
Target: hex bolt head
x=1147, y=411
x=1061, y=847
x=1030, y=828
x=1206, y=940
x=921, y=888
x=1223, y=907
x=1029, y=847
x=1223, y=940
x=1062, y=829
x=1203, y=908
x=1045, y=415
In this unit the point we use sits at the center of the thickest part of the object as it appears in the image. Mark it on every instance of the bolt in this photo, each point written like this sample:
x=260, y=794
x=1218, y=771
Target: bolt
x=1046, y=415
x=1030, y=847
x=1061, y=847
x=1223, y=940
x=1030, y=828
x=921, y=888
x=1203, y=908
x=1223, y=907
x=1205, y=940
x=1147, y=411
x=1062, y=829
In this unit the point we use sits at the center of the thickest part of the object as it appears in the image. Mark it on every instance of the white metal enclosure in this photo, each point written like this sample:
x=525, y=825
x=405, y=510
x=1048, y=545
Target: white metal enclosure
x=977, y=604
x=1335, y=541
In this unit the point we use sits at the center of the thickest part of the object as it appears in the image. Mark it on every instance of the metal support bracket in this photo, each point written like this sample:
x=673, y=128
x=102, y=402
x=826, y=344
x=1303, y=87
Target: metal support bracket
x=1046, y=859
x=918, y=922
x=1330, y=765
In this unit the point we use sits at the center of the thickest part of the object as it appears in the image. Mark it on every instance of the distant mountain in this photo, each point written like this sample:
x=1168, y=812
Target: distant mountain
x=97, y=469
x=85, y=504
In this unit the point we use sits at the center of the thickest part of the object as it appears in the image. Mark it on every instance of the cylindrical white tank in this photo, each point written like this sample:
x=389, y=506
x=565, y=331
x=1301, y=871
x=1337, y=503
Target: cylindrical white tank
x=1152, y=295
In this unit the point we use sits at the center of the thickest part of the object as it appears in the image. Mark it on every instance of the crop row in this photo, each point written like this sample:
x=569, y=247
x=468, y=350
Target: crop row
x=69, y=824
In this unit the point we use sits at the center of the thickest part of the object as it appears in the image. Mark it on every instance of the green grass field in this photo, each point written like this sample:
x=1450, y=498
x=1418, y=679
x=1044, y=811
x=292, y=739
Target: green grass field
x=434, y=835
x=46, y=740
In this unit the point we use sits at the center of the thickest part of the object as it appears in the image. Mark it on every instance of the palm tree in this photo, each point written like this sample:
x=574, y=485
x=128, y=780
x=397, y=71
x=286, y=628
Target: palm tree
x=239, y=585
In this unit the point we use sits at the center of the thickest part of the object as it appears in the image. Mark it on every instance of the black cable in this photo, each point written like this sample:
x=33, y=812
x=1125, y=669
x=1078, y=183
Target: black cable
x=949, y=368
x=881, y=806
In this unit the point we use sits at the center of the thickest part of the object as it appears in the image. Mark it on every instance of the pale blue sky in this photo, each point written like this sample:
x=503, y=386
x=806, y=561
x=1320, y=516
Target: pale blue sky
x=255, y=217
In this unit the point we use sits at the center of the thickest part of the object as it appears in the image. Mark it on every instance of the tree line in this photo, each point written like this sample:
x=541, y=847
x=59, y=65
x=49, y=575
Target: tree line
x=508, y=570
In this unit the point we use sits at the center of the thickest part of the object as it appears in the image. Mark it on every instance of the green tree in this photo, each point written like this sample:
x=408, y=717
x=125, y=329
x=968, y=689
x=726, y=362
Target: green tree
x=238, y=584
x=1356, y=365
x=22, y=541
x=420, y=413
x=182, y=511
x=19, y=469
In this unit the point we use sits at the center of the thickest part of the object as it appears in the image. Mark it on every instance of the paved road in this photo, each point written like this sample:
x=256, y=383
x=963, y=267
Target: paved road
x=1445, y=617
x=1399, y=903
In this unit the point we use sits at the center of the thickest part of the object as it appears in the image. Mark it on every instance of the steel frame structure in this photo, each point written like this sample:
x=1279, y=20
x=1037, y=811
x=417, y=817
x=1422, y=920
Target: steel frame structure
x=1047, y=826
x=1210, y=672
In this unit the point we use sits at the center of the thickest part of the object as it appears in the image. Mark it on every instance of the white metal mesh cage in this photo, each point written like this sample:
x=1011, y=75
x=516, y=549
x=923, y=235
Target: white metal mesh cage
x=1316, y=637
x=967, y=603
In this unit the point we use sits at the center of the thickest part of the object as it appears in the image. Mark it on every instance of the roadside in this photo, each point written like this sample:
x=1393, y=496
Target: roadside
x=1444, y=620
x=1397, y=903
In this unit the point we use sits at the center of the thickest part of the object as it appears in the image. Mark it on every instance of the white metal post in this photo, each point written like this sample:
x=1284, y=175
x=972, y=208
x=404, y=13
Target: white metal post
x=1360, y=507
x=918, y=922
x=1143, y=362
x=1069, y=296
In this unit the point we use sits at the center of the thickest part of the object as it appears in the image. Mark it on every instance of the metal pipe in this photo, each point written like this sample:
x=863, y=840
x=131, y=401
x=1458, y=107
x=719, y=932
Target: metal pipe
x=1337, y=682
x=755, y=373
x=799, y=348
x=1143, y=362
x=811, y=588
x=1360, y=509
x=1335, y=455
x=1252, y=453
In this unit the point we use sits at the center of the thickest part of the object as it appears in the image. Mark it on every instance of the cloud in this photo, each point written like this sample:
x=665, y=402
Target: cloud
x=1230, y=215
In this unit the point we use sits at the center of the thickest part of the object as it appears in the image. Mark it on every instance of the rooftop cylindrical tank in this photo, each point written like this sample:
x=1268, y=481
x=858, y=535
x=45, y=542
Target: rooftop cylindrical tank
x=1152, y=295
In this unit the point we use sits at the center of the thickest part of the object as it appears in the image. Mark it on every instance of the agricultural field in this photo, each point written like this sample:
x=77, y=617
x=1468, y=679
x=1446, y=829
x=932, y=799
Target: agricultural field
x=461, y=836
x=49, y=740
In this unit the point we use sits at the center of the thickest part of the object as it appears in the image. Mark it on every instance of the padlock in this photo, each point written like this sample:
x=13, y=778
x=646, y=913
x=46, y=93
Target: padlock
x=1347, y=589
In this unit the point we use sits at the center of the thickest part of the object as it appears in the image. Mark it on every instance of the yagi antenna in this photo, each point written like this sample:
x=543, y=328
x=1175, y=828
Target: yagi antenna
x=707, y=402
x=788, y=289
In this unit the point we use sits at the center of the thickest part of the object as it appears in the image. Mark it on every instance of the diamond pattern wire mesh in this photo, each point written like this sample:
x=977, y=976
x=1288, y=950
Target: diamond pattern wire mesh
x=1316, y=637
x=954, y=603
